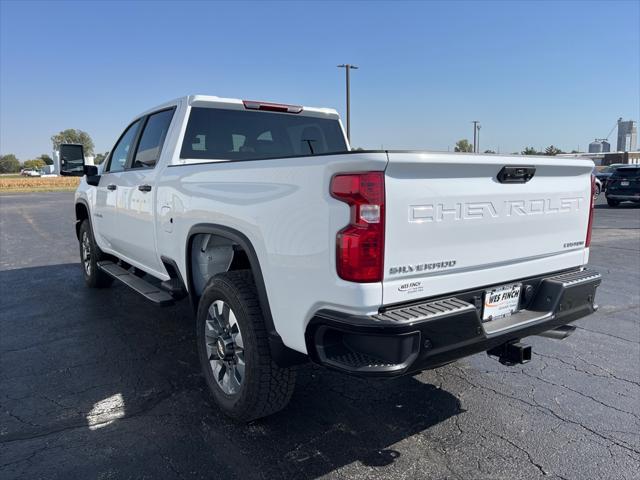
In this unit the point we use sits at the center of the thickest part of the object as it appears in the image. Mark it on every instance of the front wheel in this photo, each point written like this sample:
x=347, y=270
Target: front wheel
x=612, y=202
x=234, y=350
x=90, y=255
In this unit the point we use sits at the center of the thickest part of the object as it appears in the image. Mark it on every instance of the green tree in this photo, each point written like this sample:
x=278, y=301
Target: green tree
x=552, y=150
x=529, y=151
x=35, y=163
x=9, y=163
x=72, y=135
x=463, y=146
x=46, y=159
x=99, y=158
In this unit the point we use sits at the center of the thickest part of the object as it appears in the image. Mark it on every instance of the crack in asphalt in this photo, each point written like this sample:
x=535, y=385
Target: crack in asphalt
x=609, y=374
x=27, y=459
x=101, y=360
x=21, y=420
x=527, y=374
x=545, y=410
x=461, y=433
x=528, y=455
x=618, y=308
x=48, y=343
x=579, y=327
x=152, y=403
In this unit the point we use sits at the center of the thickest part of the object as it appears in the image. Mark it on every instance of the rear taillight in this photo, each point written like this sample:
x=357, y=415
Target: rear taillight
x=360, y=245
x=590, y=225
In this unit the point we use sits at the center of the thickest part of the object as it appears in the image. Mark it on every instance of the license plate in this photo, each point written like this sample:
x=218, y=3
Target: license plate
x=501, y=301
x=624, y=184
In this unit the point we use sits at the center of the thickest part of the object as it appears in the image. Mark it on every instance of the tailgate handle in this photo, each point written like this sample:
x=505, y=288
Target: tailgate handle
x=516, y=174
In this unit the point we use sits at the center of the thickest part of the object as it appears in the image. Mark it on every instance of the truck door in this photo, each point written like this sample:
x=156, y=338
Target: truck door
x=104, y=216
x=135, y=211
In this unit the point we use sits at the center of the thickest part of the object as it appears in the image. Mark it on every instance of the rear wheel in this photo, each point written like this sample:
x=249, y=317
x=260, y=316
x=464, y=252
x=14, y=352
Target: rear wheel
x=90, y=255
x=612, y=202
x=234, y=351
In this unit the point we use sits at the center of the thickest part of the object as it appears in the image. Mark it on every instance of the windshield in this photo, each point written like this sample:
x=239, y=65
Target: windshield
x=245, y=135
x=612, y=168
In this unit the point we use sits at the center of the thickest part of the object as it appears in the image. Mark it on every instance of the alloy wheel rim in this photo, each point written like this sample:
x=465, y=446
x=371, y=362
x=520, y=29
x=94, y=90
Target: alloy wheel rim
x=86, y=253
x=225, y=348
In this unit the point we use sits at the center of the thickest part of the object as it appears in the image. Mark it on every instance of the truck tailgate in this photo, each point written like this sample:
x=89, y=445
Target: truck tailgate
x=452, y=225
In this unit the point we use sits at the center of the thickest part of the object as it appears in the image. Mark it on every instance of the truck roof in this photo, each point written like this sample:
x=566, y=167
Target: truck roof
x=237, y=104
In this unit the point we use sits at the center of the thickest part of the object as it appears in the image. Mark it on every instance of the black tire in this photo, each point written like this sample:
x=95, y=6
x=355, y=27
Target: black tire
x=93, y=277
x=613, y=203
x=265, y=388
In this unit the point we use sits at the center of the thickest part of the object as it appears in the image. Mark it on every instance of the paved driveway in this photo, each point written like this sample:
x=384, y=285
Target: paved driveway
x=100, y=384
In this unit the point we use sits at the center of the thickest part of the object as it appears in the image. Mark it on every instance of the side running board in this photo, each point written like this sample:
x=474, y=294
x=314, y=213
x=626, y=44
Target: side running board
x=140, y=285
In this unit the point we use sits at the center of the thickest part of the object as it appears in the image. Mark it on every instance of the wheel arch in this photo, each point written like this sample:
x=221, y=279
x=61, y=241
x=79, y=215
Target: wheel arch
x=283, y=355
x=82, y=213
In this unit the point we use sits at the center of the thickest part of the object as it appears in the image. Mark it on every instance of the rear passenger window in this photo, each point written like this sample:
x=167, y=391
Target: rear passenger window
x=152, y=139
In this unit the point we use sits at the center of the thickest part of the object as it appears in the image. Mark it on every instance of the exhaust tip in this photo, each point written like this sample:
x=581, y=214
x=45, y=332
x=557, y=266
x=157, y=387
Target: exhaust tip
x=559, y=333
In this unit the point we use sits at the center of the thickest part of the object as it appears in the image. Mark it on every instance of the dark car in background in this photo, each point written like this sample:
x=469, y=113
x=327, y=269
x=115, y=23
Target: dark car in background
x=605, y=173
x=624, y=185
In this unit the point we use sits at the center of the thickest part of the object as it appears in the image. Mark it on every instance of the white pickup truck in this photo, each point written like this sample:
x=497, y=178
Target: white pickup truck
x=290, y=246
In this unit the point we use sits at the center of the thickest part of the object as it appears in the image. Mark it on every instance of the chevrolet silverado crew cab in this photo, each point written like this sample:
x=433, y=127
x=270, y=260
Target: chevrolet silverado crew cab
x=291, y=246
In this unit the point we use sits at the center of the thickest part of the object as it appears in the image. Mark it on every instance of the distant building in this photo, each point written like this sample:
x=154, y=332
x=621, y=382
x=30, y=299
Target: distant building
x=599, y=146
x=595, y=147
x=627, y=136
x=607, y=158
x=631, y=158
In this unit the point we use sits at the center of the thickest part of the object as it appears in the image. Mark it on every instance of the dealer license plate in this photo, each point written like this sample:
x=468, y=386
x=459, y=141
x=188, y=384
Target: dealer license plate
x=501, y=301
x=624, y=184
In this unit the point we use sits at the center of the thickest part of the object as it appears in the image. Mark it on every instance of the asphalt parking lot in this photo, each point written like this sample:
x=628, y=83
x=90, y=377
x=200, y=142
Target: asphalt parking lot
x=100, y=384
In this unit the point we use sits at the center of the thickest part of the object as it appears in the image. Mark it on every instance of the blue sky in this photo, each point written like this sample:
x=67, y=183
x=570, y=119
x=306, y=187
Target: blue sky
x=534, y=73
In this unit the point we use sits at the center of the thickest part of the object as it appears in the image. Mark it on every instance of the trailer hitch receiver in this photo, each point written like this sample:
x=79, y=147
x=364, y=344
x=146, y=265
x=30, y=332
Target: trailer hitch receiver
x=512, y=353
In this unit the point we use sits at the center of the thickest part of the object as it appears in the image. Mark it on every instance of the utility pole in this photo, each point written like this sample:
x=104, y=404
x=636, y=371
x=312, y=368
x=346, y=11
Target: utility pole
x=475, y=135
x=479, y=126
x=348, y=67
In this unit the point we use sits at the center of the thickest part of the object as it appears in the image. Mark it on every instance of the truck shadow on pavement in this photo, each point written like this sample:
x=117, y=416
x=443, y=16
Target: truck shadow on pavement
x=100, y=383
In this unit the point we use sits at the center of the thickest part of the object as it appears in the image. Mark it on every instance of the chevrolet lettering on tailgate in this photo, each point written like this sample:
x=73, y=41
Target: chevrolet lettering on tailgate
x=439, y=212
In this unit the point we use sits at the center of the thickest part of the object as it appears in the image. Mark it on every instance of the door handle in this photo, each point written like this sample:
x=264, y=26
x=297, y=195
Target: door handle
x=144, y=188
x=111, y=186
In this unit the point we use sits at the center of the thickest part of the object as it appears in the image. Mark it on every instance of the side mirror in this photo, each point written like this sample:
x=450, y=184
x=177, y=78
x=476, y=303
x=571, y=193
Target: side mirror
x=91, y=171
x=72, y=159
